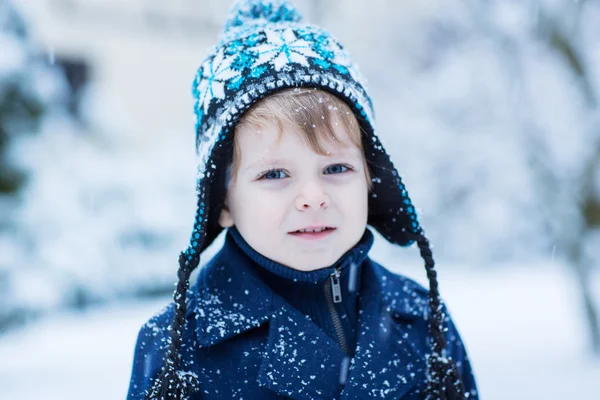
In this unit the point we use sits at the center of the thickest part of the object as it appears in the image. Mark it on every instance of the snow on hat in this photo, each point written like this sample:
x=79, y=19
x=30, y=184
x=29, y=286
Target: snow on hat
x=266, y=47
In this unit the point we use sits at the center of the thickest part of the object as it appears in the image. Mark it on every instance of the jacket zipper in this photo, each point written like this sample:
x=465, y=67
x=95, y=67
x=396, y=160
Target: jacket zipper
x=333, y=294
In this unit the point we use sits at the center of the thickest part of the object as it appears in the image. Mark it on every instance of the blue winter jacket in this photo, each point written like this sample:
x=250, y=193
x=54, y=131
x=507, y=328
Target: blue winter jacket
x=259, y=330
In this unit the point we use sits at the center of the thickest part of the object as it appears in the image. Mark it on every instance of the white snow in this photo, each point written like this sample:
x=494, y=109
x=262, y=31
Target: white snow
x=522, y=327
x=73, y=356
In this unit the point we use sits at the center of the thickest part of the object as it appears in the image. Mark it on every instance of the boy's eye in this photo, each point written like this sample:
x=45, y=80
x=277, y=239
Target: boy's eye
x=336, y=169
x=273, y=174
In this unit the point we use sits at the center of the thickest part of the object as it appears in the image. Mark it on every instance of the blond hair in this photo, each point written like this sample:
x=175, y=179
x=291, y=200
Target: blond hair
x=311, y=113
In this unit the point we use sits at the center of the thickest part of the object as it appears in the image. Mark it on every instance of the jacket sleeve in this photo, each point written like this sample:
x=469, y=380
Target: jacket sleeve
x=456, y=350
x=149, y=352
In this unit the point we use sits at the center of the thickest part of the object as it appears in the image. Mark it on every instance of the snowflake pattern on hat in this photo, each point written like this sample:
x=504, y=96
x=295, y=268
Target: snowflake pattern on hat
x=280, y=49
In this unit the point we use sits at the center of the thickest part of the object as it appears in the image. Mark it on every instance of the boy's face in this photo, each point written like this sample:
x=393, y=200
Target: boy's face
x=283, y=186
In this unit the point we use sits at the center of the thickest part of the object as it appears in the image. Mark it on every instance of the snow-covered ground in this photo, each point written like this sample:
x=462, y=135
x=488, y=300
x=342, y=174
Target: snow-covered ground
x=523, y=329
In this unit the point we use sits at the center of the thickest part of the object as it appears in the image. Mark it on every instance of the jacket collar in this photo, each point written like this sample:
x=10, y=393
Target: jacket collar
x=229, y=298
x=356, y=255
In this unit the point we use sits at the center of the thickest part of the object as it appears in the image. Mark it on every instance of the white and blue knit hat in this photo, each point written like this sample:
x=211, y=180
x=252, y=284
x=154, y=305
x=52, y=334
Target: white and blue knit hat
x=266, y=47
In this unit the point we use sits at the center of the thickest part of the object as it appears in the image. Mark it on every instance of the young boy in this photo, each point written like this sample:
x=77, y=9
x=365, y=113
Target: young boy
x=292, y=306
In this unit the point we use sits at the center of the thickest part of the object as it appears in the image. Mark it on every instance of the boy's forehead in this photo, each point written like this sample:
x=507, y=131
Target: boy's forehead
x=262, y=145
x=277, y=135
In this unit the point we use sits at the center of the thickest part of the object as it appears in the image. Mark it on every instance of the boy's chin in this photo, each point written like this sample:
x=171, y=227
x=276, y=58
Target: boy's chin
x=310, y=264
x=305, y=268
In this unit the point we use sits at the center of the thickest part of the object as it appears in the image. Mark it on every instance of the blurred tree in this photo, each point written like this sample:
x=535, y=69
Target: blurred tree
x=568, y=198
x=20, y=107
x=31, y=89
x=565, y=41
x=94, y=216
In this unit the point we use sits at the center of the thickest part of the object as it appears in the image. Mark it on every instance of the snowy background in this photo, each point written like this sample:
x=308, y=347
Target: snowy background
x=489, y=109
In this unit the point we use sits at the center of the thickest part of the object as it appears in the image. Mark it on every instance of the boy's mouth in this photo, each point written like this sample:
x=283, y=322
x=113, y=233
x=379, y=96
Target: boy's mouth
x=316, y=232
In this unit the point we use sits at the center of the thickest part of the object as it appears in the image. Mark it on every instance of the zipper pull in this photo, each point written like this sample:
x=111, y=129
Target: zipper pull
x=336, y=289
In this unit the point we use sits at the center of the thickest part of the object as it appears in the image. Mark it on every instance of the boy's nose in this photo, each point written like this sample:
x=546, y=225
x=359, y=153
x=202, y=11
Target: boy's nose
x=312, y=197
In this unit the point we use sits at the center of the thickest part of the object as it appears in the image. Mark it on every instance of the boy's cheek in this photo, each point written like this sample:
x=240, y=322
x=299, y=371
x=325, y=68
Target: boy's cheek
x=268, y=195
x=259, y=205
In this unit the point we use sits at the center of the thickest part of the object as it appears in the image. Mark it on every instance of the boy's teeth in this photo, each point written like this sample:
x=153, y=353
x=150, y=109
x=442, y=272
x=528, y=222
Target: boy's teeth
x=312, y=230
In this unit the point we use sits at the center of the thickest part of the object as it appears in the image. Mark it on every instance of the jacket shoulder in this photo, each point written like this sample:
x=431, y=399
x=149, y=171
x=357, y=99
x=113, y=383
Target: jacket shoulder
x=151, y=345
x=404, y=296
x=407, y=295
x=160, y=322
x=399, y=280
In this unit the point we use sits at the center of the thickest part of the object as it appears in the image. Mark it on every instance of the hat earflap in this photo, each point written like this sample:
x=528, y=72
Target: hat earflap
x=173, y=383
x=444, y=381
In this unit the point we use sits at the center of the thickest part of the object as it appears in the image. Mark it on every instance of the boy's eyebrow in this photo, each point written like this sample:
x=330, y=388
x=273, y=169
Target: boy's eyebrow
x=265, y=162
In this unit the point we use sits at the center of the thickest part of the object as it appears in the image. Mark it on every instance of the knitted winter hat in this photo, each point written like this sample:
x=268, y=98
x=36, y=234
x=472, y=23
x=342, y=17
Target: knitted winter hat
x=265, y=47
